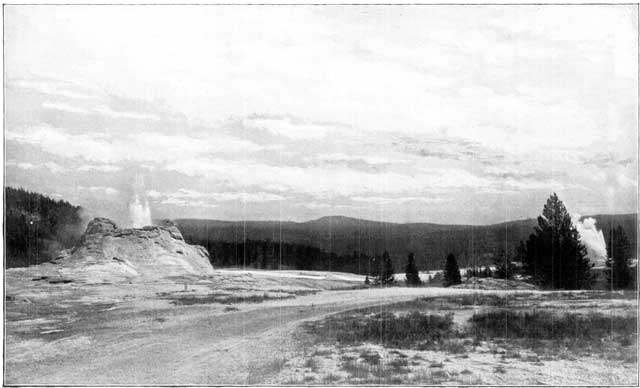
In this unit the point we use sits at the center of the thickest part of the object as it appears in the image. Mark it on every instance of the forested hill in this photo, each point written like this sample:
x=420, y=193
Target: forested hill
x=37, y=227
x=472, y=245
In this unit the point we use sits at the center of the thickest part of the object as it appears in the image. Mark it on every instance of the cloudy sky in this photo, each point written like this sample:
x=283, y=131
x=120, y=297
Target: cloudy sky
x=448, y=114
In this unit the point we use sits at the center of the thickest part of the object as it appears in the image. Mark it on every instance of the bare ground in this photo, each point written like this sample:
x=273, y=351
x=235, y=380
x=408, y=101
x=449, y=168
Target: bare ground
x=126, y=335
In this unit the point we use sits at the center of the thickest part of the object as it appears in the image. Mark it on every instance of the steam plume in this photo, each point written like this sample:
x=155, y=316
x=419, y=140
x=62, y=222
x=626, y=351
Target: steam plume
x=139, y=211
x=592, y=238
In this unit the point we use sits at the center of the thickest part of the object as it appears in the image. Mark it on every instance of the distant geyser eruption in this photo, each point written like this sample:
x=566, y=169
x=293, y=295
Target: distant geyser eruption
x=592, y=238
x=139, y=211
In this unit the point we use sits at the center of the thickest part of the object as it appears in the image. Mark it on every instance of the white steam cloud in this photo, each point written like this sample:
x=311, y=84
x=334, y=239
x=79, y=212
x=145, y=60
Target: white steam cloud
x=592, y=238
x=139, y=211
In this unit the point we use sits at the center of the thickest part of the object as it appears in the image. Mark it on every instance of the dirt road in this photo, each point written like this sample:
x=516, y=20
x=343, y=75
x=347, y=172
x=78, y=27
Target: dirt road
x=181, y=345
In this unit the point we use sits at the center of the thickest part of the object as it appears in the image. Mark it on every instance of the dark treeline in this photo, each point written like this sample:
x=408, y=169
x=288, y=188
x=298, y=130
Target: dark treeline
x=268, y=254
x=37, y=227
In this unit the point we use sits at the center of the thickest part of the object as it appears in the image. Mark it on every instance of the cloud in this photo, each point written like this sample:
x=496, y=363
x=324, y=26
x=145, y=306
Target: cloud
x=397, y=200
x=54, y=88
x=443, y=102
x=99, y=167
x=135, y=147
x=51, y=166
x=181, y=202
x=99, y=190
x=192, y=196
x=103, y=110
x=326, y=182
x=289, y=127
x=64, y=107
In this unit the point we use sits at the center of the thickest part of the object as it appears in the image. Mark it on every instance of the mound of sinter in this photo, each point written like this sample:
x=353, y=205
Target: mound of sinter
x=109, y=254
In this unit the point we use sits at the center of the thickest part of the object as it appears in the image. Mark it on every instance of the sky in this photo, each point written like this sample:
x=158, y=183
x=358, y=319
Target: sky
x=445, y=114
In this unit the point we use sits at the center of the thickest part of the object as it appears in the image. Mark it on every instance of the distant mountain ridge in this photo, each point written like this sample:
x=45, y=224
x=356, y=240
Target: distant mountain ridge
x=472, y=244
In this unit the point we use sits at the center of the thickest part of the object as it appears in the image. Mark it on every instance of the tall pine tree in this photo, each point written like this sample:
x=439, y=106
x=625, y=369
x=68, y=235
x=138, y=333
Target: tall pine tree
x=504, y=267
x=411, y=271
x=619, y=251
x=554, y=256
x=451, y=272
x=386, y=272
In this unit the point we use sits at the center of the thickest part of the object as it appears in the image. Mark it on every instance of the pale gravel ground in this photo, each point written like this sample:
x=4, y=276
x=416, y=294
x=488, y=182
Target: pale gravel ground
x=142, y=339
x=431, y=367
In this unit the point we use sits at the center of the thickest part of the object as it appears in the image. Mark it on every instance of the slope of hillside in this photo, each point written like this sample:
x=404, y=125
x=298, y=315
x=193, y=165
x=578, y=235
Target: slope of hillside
x=37, y=227
x=472, y=245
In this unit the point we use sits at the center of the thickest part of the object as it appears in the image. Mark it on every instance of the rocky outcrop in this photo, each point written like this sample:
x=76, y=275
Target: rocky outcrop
x=110, y=254
x=100, y=225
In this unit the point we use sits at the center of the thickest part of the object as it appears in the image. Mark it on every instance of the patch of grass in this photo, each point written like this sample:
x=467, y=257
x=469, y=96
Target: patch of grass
x=357, y=370
x=453, y=346
x=372, y=358
x=546, y=325
x=411, y=330
x=398, y=366
x=398, y=353
x=272, y=367
x=322, y=353
x=231, y=308
x=225, y=299
x=331, y=378
x=500, y=369
x=312, y=364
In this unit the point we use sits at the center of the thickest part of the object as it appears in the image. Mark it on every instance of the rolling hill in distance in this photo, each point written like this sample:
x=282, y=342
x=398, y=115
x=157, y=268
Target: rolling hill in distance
x=472, y=244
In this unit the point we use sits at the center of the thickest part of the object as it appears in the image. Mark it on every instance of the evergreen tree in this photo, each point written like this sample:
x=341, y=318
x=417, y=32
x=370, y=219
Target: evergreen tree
x=366, y=280
x=412, y=276
x=617, y=269
x=504, y=267
x=554, y=256
x=451, y=272
x=386, y=272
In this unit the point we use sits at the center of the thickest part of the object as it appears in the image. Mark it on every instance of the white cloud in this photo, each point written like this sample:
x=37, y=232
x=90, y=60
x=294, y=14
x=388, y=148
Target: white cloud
x=61, y=106
x=181, y=202
x=187, y=195
x=51, y=166
x=107, y=111
x=542, y=87
x=398, y=200
x=327, y=182
x=99, y=190
x=99, y=167
x=136, y=147
x=290, y=128
x=55, y=167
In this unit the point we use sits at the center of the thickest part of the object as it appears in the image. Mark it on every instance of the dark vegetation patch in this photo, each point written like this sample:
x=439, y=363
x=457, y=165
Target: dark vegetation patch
x=60, y=281
x=568, y=328
x=224, y=299
x=37, y=227
x=415, y=330
x=504, y=326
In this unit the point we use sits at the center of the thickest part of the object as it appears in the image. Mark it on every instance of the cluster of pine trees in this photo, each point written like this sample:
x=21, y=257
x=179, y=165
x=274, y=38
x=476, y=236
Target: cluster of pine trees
x=37, y=227
x=554, y=256
x=269, y=254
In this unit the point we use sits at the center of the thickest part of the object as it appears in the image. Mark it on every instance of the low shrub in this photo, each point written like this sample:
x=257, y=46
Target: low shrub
x=546, y=325
x=413, y=329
